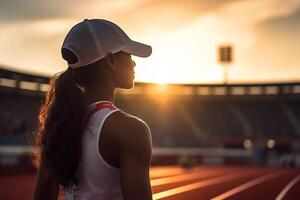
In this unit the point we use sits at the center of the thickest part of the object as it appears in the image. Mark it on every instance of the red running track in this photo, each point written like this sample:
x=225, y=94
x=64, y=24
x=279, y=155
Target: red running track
x=199, y=183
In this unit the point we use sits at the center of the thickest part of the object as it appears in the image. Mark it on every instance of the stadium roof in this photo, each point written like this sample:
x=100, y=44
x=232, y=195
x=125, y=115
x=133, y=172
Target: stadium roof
x=27, y=81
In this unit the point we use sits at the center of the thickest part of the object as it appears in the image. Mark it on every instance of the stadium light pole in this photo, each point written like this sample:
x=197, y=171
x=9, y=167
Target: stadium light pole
x=225, y=59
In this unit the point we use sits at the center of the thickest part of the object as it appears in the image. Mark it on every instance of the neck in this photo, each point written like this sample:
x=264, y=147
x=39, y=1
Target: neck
x=100, y=94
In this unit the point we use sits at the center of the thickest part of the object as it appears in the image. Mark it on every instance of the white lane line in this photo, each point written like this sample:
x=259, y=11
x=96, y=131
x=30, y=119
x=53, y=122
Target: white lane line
x=199, y=184
x=247, y=185
x=288, y=187
x=159, y=172
x=184, y=177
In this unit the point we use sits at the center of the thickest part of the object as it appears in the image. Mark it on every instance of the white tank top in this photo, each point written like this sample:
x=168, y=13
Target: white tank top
x=98, y=180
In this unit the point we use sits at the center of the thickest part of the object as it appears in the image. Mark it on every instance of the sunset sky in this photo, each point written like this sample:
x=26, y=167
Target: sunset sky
x=184, y=35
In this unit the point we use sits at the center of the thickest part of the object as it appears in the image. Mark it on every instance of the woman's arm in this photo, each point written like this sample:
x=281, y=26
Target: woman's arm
x=46, y=187
x=135, y=148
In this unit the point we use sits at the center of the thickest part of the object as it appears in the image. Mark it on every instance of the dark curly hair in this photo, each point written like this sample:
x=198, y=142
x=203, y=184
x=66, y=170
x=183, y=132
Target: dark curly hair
x=61, y=122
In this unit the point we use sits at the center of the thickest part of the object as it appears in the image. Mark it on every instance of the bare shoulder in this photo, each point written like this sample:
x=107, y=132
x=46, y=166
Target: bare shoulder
x=123, y=121
x=128, y=130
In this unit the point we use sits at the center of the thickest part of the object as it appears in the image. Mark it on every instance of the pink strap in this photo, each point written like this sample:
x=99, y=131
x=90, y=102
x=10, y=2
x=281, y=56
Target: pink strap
x=100, y=106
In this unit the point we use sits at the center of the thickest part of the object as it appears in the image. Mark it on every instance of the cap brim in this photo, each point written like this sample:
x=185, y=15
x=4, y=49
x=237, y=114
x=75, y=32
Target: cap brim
x=138, y=49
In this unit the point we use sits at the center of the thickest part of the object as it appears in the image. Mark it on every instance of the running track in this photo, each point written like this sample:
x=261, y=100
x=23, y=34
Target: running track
x=199, y=183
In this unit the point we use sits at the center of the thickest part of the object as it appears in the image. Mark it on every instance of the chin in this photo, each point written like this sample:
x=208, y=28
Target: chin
x=127, y=86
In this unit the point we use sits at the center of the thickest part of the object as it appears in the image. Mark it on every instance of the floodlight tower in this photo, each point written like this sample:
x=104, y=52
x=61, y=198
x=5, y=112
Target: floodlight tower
x=225, y=59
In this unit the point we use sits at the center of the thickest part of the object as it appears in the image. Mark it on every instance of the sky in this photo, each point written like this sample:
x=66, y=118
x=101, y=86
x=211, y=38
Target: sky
x=184, y=36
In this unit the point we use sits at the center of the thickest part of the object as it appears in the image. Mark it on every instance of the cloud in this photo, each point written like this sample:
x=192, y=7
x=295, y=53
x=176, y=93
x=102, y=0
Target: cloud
x=150, y=14
x=250, y=12
x=277, y=39
x=183, y=33
x=271, y=51
x=191, y=49
x=158, y=16
x=32, y=30
x=26, y=10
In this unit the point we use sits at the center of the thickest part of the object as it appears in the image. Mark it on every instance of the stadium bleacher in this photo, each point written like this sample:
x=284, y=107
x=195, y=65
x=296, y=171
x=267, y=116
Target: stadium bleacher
x=18, y=117
x=176, y=119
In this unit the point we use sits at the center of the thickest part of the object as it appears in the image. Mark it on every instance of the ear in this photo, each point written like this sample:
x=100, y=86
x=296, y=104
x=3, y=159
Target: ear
x=111, y=60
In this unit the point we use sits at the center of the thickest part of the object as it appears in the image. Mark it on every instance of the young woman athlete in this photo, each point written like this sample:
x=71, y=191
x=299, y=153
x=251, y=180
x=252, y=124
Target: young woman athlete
x=83, y=140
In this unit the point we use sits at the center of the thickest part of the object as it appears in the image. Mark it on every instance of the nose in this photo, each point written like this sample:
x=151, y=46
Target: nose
x=134, y=64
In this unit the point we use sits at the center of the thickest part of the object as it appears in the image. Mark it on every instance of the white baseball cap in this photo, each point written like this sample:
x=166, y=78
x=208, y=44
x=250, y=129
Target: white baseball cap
x=92, y=39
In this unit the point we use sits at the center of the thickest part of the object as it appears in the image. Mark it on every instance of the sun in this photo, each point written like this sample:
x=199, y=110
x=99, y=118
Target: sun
x=154, y=71
x=162, y=76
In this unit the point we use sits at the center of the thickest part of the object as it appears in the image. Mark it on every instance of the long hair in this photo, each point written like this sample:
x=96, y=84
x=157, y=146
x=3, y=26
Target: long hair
x=61, y=122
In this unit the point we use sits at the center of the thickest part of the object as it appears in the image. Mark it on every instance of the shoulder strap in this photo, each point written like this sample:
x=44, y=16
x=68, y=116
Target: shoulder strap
x=100, y=106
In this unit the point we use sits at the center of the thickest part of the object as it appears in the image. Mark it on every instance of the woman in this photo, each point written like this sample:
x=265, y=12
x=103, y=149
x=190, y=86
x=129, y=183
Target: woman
x=83, y=139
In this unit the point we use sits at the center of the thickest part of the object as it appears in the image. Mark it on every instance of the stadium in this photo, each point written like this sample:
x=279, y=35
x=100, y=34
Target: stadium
x=255, y=127
x=207, y=94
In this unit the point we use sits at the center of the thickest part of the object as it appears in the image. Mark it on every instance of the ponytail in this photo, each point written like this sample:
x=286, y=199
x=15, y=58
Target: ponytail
x=61, y=123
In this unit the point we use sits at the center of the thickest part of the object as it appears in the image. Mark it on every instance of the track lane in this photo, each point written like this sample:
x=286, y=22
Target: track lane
x=293, y=193
x=236, y=191
x=196, y=186
x=288, y=187
x=19, y=187
x=208, y=191
x=196, y=175
x=267, y=189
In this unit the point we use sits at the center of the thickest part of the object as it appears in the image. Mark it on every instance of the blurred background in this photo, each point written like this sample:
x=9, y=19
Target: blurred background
x=222, y=87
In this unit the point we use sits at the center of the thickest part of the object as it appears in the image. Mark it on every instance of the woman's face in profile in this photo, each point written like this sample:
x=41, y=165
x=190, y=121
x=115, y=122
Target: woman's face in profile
x=124, y=72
